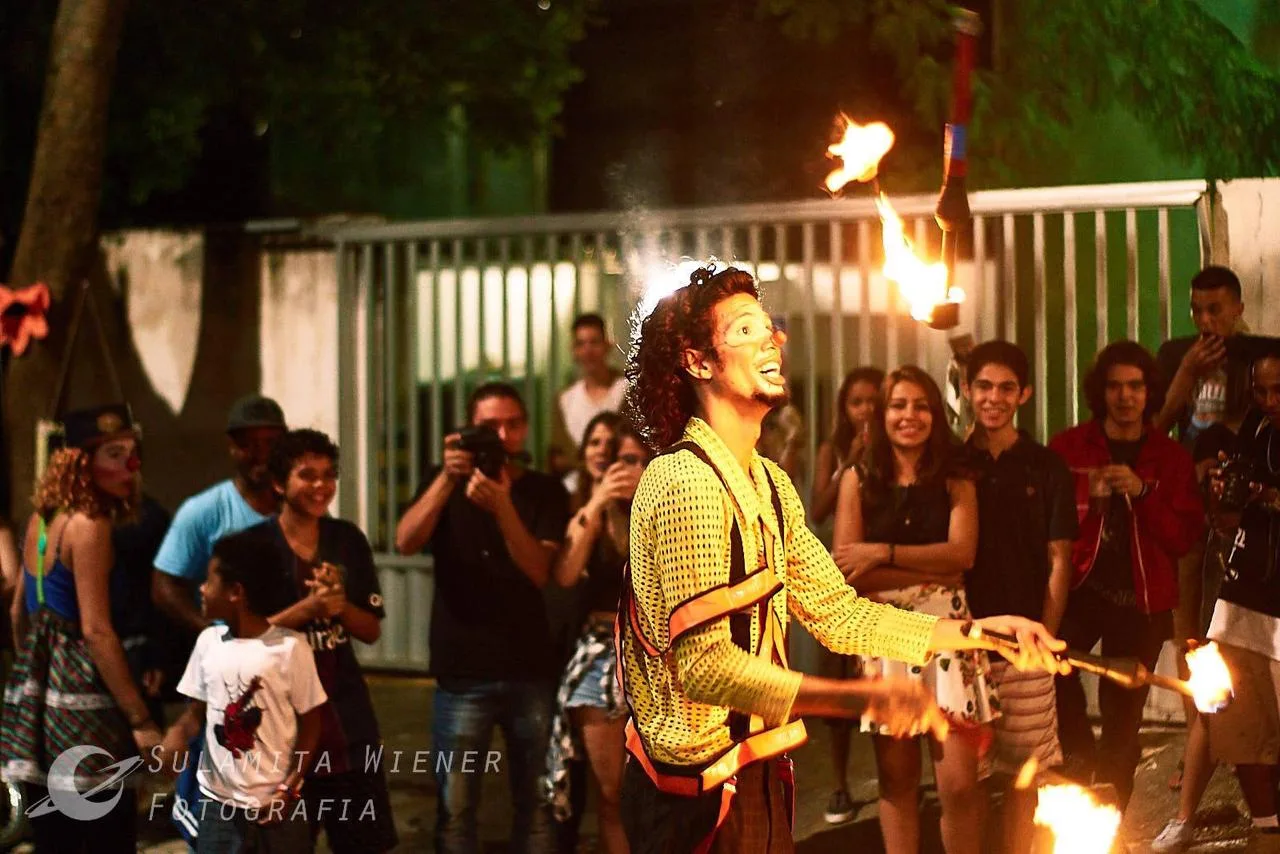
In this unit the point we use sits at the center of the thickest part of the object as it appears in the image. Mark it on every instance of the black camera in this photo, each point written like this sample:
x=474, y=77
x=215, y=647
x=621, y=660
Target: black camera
x=1238, y=474
x=486, y=448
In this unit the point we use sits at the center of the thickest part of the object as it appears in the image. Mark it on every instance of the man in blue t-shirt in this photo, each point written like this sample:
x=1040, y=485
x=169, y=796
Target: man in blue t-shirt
x=244, y=500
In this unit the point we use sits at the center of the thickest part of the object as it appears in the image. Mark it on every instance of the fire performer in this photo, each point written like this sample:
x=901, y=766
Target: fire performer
x=719, y=556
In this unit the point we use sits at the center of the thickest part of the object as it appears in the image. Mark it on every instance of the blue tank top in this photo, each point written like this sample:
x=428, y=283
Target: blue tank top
x=59, y=585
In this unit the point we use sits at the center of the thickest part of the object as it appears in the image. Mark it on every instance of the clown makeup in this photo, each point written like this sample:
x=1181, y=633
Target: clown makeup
x=115, y=465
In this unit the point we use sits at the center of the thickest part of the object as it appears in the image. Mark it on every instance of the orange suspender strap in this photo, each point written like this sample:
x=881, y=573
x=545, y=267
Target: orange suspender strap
x=762, y=745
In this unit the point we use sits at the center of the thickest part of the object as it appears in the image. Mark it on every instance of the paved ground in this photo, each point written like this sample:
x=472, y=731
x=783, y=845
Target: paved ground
x=404, y=706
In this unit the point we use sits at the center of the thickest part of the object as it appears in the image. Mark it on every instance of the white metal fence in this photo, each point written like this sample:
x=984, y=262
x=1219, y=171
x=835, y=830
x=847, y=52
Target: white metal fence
x=429, y=310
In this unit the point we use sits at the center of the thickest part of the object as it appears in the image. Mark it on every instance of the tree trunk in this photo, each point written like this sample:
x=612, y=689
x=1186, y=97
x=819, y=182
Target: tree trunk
x=60, y=224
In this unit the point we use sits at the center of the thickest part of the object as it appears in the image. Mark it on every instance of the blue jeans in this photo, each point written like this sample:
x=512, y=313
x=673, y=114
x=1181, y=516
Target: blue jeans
x=463, y=726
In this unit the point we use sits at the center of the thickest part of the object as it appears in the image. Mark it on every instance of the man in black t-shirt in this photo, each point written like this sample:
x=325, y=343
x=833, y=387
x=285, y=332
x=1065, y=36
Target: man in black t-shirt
x=1026, y=525
x=494, y=540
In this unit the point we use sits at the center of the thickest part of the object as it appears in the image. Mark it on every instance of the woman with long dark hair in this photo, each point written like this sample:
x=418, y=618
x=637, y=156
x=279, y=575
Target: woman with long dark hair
x=71, y=685
x=906, y=532
x=591, y=713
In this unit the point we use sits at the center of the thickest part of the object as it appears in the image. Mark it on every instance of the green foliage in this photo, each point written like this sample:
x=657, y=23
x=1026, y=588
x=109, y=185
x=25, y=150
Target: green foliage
x=335, y=73
x=1055, y=65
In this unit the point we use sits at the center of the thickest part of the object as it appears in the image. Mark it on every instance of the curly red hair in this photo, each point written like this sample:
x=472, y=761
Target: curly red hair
x=660, y=396
x=67, y=487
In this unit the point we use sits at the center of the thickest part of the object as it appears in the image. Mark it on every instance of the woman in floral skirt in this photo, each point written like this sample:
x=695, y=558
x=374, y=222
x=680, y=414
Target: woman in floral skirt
x=906, y=532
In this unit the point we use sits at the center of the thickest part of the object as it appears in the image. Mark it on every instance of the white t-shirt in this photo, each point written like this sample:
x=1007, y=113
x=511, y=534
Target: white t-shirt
x=578, y=409
x=253, y=690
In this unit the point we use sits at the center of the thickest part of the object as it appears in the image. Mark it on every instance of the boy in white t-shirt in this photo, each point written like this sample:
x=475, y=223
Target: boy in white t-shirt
x=256, y=695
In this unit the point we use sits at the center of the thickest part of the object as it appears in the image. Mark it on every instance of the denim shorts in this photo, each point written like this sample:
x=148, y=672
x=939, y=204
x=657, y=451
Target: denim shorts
x=589, y=690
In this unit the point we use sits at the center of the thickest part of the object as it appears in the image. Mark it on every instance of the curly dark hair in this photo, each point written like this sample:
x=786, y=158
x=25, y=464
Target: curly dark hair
x=660, y=397
x=290, y=447
x=942, y=457
x=67, y=486
x=241, y=557
x=1129, y=353
x=842, y=429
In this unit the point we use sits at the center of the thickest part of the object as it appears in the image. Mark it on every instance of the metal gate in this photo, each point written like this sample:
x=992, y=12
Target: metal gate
x=428, y=310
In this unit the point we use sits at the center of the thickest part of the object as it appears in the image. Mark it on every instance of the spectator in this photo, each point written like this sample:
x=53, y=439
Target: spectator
x=590, y=711
x=232, y=505
x=855, y=408
x=599, y=388
x=1026, y=526
x=66, y=641
x=326, y=570
x=906, y=533
x=1209, y=382
x=494, y=540
x=1139, y=510
x=256, y=703
x=782, y=440
x=1246, y=625
x=146, y=635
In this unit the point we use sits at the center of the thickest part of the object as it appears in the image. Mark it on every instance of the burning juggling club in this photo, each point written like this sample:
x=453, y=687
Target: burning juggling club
x=952, y=212
x=1125, y=672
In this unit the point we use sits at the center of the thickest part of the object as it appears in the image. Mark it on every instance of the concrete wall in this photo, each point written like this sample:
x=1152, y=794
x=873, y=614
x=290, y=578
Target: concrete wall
x=208, y=316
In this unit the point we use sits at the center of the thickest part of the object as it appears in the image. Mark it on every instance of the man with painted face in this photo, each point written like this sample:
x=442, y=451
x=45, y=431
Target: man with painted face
x=244, y=500
x=720, y=555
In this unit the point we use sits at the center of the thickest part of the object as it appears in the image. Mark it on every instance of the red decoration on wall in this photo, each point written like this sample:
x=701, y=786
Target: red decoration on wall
x=23, y=315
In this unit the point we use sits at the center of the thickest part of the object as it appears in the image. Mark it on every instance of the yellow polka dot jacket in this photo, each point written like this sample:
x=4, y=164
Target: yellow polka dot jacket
x=682, y=523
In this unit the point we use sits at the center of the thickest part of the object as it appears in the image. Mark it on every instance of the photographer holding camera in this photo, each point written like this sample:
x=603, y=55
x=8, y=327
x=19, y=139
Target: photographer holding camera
x=1244, y=506
x=494, y=528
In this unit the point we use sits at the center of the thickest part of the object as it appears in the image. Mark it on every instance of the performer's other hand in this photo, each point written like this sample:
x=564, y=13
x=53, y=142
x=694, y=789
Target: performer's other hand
x=1036, y=645
x=904, y=708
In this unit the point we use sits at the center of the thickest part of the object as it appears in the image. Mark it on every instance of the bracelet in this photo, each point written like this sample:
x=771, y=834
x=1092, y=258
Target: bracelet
x=971, y=630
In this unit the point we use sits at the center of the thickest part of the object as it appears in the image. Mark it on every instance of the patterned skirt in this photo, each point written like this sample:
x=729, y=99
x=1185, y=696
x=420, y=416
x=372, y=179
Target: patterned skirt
x=594, y=658
x=56, y=700
x=957, y=680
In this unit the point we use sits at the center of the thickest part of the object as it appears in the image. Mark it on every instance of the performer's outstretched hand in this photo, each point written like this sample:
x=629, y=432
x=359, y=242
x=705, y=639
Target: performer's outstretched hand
x=903, y=707
x=1035, y=647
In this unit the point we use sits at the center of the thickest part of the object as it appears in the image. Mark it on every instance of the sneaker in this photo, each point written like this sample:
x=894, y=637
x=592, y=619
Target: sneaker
x=1176, y=836
x=839, y=809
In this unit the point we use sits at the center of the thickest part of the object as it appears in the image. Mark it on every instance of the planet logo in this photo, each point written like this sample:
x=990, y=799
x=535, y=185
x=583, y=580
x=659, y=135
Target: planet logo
x=65, y=798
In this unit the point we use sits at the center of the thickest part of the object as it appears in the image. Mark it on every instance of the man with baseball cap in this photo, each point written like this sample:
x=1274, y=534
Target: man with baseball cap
x=232, y=505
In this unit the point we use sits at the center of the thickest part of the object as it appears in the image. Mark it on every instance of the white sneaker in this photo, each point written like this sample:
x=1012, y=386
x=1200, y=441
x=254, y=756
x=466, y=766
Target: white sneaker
x=1176, y=836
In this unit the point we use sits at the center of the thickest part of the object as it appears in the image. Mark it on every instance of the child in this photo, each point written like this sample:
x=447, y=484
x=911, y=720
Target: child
x=259, y=686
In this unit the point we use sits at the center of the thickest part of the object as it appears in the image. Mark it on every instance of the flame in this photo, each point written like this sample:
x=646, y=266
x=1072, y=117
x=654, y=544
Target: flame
x=1210, y=680
x=1080, y=824
x=923, y=285
x=860, y=152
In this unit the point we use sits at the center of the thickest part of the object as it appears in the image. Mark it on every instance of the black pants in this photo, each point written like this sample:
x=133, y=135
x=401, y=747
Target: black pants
x=114, y=833
x=658, y=823
x=1125, y=632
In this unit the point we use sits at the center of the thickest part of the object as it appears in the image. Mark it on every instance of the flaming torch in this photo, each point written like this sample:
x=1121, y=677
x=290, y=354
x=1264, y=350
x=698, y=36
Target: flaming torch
x=953, y=213
x=1080, y=825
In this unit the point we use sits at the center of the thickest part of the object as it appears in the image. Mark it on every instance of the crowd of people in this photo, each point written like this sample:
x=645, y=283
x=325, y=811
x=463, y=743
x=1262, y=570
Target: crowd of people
x=645, y=683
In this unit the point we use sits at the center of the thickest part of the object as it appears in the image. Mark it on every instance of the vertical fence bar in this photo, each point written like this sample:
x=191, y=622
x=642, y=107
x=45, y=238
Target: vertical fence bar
x=838, y=366
x=437, y=353
x=348, y=408
x=701, y=245
x=753, y=249
x=978, y=284
x=459, y=370
x=411, y=298
x=1164, y=273
x=780, y=253
x=391, y=388
x=543, y=433
x=1072, y=312
x=1100, y=271
x=864, y=299
x=1039, y=306
x=1131, y=269
x=808, y=248
x=1009, y=278
x=575, y=256
x=527, y=255
x=369, y=512
x=504, y=261
x=482, y=317
x=923, y=340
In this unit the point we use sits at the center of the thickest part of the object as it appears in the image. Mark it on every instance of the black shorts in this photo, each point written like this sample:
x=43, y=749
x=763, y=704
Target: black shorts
x=354, y=808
